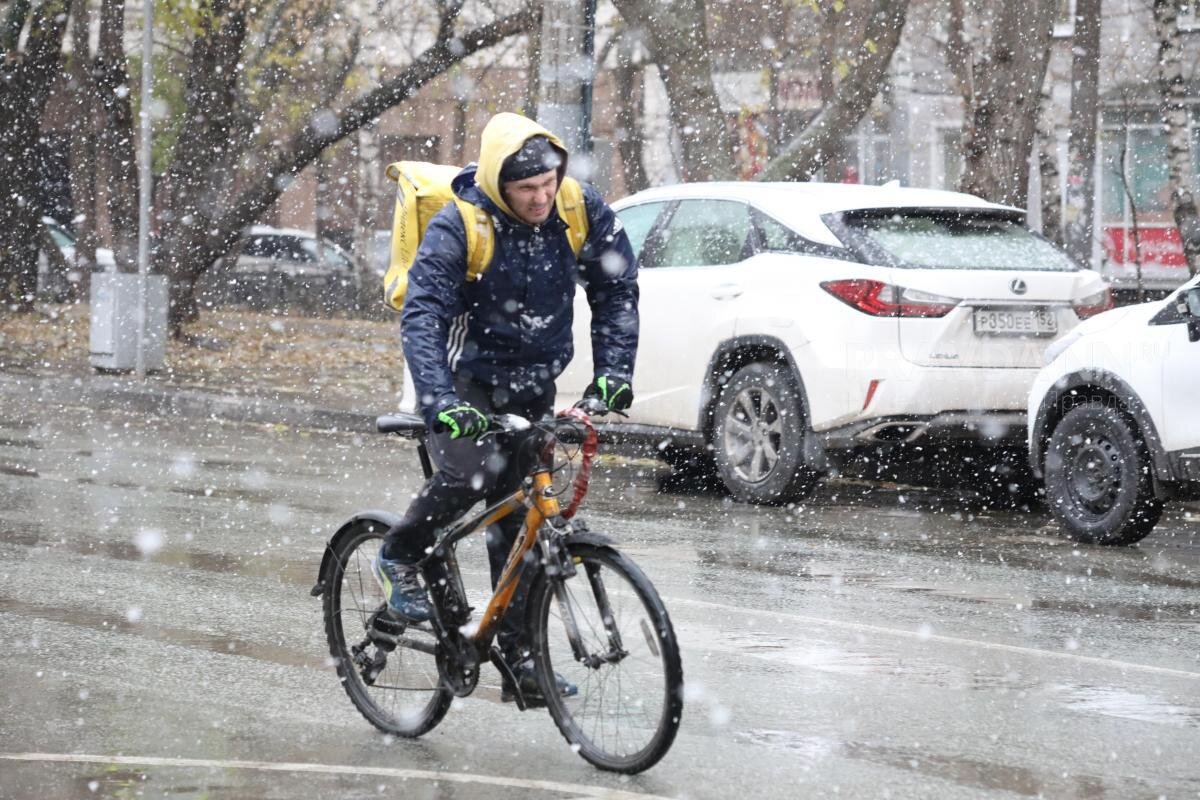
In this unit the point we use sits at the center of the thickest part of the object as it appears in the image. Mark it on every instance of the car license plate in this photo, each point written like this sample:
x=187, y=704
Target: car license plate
x=1015, y=322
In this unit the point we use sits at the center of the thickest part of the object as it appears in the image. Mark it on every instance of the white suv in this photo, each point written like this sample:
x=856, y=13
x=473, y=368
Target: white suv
x=780, y=321
x=1114, y=428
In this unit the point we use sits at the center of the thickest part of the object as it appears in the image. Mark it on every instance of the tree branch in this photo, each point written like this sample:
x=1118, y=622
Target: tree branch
x=806, y=152
x=306, y=144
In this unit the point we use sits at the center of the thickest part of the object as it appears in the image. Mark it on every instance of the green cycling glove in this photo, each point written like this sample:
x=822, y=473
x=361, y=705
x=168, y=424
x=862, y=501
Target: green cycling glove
x=615, y=393
x=463, y=419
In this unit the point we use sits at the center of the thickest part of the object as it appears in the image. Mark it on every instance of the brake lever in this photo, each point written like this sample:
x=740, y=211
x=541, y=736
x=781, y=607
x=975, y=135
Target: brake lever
x=594, y=407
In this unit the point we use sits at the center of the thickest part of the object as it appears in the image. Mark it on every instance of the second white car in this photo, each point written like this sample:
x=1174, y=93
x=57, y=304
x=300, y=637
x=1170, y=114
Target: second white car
x=1114, y=429
x=780, y=322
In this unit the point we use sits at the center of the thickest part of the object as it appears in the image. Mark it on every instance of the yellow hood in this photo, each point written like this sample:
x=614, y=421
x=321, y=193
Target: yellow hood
x=503, y=136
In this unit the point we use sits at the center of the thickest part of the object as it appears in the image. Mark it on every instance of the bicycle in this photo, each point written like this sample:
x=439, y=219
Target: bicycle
x=591, y=614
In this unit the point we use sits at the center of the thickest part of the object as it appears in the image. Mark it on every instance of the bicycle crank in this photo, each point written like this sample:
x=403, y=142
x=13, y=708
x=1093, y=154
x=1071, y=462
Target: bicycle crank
x=458, y=666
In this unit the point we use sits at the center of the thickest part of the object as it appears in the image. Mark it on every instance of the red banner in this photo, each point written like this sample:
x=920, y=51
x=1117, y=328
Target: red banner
x=1159, y=246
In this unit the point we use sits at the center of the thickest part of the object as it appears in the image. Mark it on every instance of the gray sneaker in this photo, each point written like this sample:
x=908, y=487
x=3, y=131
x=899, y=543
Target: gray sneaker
x=406, y=597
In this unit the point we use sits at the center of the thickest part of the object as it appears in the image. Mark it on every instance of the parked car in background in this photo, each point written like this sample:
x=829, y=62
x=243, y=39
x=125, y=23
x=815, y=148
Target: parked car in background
x=283, y=267
x=1114, y=423
x=55, y=285
x=785, y=323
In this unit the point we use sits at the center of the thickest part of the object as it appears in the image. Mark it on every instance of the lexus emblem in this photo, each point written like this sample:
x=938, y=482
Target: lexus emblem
x=1018, y=286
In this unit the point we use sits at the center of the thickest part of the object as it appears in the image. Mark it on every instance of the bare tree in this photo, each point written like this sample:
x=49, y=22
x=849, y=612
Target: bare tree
x=83, y=131
x=866, y=71
x=1000, y=66
x=1051, y=199
x=116, y=147
x=31, y=40
x=256, y=112
x=679, y=42
x=628, y=77
x=1085, y=98
x=1172, y=95
x=831, y=19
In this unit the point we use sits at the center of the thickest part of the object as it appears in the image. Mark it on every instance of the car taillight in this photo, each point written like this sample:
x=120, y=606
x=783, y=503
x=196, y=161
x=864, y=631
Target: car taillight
x=1093, y=304
x=885, y=300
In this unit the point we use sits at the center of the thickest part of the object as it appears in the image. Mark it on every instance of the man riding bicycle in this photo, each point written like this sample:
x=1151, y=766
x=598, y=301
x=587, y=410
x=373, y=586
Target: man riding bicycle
x=495, y=346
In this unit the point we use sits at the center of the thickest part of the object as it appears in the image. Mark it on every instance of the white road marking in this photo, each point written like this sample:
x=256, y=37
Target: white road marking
x=573, y=790
x=933, y=637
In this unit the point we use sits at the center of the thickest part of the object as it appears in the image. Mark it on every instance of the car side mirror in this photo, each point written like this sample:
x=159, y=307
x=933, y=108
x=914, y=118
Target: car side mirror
x=1189, y=306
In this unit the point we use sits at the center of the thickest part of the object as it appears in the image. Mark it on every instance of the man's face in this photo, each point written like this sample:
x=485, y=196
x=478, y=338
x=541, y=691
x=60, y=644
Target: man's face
x=532, y=199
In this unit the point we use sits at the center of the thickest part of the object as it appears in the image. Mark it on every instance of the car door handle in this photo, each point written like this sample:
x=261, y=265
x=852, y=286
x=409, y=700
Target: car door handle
x=727, y=291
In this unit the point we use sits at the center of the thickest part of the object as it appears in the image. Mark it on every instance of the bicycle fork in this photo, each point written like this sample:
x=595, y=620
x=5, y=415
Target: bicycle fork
x=566, y=606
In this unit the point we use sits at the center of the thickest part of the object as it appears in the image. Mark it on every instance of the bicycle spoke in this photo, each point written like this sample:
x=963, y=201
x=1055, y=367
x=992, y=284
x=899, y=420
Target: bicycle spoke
x=623, y=703
x=401, y=698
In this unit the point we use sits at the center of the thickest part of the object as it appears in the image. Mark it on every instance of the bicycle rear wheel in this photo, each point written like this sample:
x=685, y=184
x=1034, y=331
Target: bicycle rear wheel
x=399, y=690
x=630, y=680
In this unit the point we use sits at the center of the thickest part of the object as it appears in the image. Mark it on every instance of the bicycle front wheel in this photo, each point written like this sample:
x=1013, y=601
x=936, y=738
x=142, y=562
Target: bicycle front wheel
x=398, y=690
x=606, y=632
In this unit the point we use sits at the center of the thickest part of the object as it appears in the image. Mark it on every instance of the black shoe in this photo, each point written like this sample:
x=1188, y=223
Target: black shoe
x=526, y=675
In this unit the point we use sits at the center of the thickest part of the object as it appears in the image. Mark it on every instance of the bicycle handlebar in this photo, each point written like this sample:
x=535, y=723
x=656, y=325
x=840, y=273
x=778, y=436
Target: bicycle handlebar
x=515, y=423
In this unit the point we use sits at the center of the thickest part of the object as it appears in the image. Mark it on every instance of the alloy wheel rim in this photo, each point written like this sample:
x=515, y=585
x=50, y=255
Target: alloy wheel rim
x=753, y=434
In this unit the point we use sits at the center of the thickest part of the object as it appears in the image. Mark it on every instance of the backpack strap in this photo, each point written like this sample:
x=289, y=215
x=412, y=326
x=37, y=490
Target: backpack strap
x=573, y=211
x=481, y=240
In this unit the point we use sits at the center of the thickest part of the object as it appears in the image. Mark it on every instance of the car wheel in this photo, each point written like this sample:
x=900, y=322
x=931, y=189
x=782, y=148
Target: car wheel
x=1097, y=474
x=758, y=436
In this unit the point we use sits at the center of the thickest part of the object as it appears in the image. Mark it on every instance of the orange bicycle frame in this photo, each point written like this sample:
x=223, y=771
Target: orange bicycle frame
x=542, y=506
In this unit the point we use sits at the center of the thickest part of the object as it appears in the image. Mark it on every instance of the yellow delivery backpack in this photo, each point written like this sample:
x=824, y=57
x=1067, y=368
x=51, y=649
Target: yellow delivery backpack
x=423, y=189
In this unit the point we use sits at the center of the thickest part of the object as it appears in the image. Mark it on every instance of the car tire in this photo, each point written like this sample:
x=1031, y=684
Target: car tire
x=1098, y=477
x=758, y=436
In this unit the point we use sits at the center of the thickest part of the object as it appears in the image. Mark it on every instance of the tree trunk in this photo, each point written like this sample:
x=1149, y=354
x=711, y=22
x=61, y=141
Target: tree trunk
x=369, y=195
x=26, y=76
x=837, y=158
x=823, y=137
x=533, y=84
x=1051, y=199
x=629, y=113
x=678, y=40
x=116, y=151
x=1085, y=101
x=83, y=149
x=1007, y=82
x=1172, y=97
x=197, y=185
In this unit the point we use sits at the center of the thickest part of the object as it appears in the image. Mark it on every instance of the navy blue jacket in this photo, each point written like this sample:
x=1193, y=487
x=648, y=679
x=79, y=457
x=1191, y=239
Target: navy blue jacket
x=511, y=329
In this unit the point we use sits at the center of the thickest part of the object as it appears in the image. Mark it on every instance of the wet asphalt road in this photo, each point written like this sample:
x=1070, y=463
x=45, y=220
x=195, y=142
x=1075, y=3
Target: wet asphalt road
x=160, y=641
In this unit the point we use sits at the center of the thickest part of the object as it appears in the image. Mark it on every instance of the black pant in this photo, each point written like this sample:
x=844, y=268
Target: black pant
x=468, y=471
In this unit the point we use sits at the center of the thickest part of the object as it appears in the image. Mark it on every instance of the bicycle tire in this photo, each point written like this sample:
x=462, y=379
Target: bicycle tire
x=599, y=733
x=353, y=595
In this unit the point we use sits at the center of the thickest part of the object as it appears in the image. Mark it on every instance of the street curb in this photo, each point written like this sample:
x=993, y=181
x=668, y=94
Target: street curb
x=125, y=393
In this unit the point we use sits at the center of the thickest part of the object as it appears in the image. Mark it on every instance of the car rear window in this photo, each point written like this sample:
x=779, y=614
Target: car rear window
x=952, y=241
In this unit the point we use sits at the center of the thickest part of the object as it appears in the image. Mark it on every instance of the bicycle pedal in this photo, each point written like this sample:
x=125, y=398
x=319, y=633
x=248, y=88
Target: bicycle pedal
x=370, y=666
